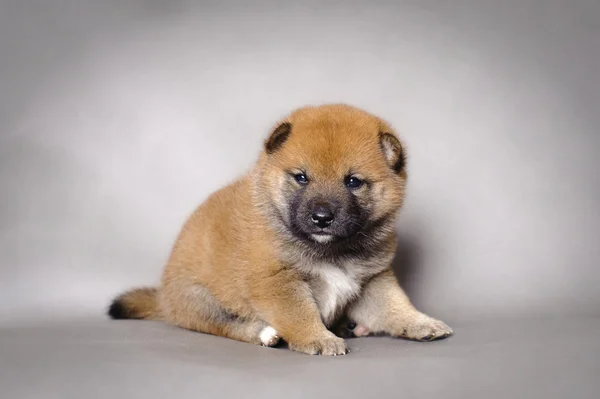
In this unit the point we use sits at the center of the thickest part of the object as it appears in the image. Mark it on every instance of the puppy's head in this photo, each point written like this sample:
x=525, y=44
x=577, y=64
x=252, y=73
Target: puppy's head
x=333, y=173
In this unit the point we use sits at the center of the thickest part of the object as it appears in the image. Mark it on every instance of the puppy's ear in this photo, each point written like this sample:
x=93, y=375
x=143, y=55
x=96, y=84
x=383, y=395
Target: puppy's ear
x=279, y=135
x=393, y=151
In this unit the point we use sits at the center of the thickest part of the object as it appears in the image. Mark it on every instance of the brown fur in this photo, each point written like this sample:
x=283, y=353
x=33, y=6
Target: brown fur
x=240, y=265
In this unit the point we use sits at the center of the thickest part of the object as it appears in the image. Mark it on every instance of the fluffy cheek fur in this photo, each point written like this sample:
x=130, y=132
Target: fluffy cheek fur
x=382, y=198
x=279, y=190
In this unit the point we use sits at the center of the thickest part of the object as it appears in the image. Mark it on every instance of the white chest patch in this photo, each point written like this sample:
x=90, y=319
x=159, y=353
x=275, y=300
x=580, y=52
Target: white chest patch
x=333, y=287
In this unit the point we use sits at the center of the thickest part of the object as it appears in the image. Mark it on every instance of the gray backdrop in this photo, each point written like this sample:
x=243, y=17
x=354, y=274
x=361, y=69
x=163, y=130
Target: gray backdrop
x=118, y=117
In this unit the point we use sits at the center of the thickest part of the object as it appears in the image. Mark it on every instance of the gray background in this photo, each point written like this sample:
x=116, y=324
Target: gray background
x=118, y=117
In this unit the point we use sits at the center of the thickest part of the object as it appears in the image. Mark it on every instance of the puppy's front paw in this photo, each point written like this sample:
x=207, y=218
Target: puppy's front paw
x=425, y=328
x=268, y=337
x=328, y=345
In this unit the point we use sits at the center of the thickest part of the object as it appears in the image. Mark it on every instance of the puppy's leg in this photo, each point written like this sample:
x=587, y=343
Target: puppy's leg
x=285, y=301
x=384, y=308
x=193, y=307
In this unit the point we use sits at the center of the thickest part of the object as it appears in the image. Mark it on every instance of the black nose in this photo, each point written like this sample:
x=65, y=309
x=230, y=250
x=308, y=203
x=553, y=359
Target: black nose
x=322, y=216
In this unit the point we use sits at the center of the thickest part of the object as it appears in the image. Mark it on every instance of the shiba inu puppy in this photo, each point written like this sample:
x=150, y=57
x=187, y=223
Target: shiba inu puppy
x=302, y=241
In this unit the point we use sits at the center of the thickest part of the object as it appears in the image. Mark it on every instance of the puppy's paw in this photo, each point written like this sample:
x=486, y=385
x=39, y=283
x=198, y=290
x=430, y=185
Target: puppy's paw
x=348, y=329
x=341, y=329
x=268, y=336
x=425, y=328
x=328, y=345
x=361, y=331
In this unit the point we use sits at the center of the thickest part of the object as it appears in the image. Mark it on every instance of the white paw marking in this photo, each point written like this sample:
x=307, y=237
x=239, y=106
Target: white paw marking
x=322, y=238
x=268, y=336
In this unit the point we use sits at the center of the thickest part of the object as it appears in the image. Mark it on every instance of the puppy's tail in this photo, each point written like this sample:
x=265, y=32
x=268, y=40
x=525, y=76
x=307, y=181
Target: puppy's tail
x=140, y=303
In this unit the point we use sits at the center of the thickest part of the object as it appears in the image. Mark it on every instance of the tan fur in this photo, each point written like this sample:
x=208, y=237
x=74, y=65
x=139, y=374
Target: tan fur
x=236, y=269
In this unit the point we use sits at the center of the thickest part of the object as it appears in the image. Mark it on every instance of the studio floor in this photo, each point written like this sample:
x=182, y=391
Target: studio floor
x=518, y=358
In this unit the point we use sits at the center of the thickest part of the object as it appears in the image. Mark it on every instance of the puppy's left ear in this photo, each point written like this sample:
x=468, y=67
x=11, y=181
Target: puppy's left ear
x=393, y=151
x=279, y=135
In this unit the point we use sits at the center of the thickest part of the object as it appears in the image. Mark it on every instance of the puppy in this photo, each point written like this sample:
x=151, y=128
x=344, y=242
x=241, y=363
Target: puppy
x=302, y=241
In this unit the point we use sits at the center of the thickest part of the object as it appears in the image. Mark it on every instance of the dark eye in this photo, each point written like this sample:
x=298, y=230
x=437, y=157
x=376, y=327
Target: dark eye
x=353, y=182
x=301, y=178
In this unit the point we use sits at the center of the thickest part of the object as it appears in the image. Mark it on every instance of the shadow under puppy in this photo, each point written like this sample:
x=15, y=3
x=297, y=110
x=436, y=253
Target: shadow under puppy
x=301, y=242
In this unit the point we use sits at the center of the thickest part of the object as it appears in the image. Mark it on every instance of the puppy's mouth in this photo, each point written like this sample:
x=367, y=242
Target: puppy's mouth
x=322, y=238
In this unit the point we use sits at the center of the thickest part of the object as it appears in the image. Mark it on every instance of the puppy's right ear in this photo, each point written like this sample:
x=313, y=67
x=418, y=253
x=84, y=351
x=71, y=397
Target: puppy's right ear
x=278, y=137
